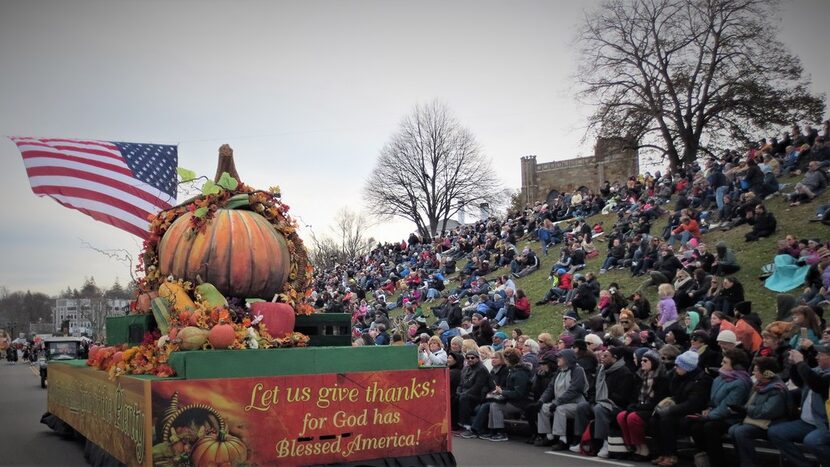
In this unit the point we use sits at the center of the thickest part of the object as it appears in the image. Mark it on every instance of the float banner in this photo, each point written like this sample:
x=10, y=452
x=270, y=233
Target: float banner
x=303, y=419
x=113, y=415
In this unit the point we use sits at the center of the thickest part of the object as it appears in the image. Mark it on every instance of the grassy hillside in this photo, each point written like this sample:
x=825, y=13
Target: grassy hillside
x=751, y=256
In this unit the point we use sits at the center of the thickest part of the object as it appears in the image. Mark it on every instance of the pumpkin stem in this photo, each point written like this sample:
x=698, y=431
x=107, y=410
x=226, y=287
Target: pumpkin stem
x=226, y=164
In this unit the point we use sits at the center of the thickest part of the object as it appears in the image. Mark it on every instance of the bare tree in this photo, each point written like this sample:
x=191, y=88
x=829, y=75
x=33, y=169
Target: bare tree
x=348, y=239
x=429, y=170
x=685, y=77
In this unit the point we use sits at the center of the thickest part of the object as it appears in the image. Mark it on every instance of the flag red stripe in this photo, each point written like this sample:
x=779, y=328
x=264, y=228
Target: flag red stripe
x=92, y=195
x=107, y=219
x=31, y=154
x=65, y=172
x=106, y=150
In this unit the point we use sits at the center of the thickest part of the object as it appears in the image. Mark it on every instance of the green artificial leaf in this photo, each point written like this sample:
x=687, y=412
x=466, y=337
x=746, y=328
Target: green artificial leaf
x=185, y=175
x=210, y=188
x=227, y=182
x=201, y=212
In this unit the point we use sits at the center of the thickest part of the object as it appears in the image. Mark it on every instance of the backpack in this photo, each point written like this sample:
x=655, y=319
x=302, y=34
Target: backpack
x=586, y=442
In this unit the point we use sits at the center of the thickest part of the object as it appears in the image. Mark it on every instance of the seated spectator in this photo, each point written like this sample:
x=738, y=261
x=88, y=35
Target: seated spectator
x=767, y=405
x=527, y=263
x=747, y=327
x=807, y=327
x=566, y=389
x=730, y=388
x=688, y=395
x=687, y=230
x=569, y=322
x=724, y=294
x=530, y=353
x=474, y=384
x=616, y=253
x=725, y=260
x=709, y=356
x=560, y=286
x=813, y=183
x=640, y=306
x=432, y=353
x=811, y=427
x=583, y=298
x=615, y=389
x=665, y=268
x=763, y=223
x=653, y=387
x=509, y=400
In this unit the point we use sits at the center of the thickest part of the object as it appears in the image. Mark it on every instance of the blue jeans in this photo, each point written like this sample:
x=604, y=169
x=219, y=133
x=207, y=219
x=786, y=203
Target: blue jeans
x=719, y=195
x=816, y=440
x=481, y=418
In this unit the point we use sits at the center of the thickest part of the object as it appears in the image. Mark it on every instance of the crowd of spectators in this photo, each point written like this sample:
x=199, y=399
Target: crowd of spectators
x=698, y=363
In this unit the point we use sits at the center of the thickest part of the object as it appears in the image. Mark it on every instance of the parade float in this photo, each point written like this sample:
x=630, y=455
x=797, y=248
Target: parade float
x=223, y=362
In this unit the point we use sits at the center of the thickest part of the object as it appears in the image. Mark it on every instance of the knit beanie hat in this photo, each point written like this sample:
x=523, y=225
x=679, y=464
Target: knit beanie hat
x=567, y=339
x=687, y=360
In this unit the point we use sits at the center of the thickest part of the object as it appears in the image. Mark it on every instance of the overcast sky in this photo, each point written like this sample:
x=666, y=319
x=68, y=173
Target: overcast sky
x=306, y=92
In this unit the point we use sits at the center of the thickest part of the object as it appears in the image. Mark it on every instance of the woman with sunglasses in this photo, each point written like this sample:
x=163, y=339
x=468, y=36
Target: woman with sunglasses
x=654, y=387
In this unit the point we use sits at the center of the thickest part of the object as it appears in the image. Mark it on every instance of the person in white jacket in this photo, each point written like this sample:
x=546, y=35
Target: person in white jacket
x=432, y=353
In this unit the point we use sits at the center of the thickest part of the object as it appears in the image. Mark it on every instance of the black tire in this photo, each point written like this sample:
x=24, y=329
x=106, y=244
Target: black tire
x=43, y=382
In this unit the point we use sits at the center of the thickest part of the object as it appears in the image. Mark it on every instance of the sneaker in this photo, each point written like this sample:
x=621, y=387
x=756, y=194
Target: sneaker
x=498, y=437
x=468, y=434
x=575, y=448
x=603, y=271
x=485, y=436
x=603, y=453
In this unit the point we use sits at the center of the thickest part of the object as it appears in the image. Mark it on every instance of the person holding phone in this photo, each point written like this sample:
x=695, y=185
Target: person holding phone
x=811, y=428
x=730, y=388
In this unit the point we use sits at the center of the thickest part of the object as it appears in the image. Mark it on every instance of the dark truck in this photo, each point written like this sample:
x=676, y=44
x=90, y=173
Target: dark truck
x=58, y=348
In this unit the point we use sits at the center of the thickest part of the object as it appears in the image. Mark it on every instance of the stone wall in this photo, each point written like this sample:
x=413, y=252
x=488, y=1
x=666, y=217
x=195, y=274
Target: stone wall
x=614, y=159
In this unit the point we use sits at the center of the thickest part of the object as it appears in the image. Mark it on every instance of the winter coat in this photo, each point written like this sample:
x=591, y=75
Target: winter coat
x=620, y=383
x=577, y=388
x=517, y=389
x=813, y=379
x=498, y=376
x=475, y=382
x=645, y=408
x=770, y=402
x=725, y=393
x=690, y=393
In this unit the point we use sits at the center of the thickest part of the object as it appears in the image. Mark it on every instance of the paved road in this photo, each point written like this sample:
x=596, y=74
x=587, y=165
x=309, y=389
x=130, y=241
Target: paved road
x=24, y=441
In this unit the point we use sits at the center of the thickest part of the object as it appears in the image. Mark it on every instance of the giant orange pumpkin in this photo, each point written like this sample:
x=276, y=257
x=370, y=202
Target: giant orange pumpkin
x=219, y=449
x=239, y=252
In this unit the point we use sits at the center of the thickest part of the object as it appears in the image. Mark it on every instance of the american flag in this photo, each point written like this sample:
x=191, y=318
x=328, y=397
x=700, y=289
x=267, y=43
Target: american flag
x=117, y=183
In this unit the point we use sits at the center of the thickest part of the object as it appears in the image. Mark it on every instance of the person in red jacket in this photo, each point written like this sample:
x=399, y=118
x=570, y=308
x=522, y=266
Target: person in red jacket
x=687, y=230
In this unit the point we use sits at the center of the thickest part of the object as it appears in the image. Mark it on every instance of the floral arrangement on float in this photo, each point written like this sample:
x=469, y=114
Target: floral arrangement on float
x=223, y=270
